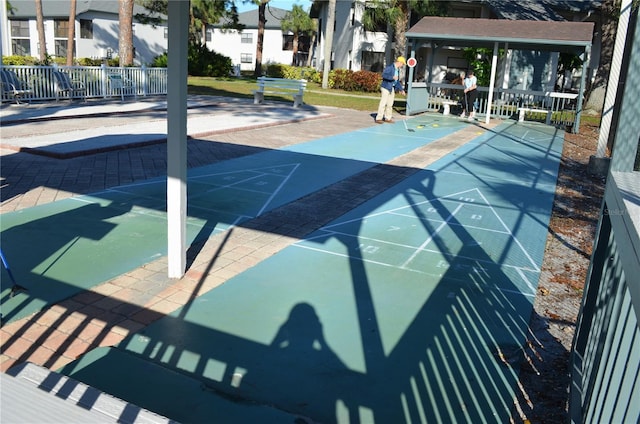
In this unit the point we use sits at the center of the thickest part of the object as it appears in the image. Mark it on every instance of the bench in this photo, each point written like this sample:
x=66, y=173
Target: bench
x=523, y=110
x=446, y=106
x=282, y=86
x=12, y=86
x=66, y=86
x=123, y=85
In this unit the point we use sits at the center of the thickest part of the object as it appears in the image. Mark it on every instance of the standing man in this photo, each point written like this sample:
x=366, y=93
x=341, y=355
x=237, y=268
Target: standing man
x=470, y=94
x=390, y=84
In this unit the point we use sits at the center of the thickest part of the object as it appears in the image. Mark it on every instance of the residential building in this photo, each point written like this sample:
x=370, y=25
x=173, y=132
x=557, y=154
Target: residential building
x=240, y=46
x=96, y=30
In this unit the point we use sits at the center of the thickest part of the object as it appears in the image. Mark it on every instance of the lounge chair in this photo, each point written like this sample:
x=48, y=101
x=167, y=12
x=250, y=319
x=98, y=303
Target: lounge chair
x=120, y=84
x=68, y=87
x=13, y=87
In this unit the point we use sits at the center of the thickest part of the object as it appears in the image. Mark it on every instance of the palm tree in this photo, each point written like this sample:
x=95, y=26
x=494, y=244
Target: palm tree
x=262, y=20
x=397, y=14
x=71, y=34
x=609, y=13
x=298, y=22
x=125, y=41
x=312, y=43
x=40, y=25
x=328, y=43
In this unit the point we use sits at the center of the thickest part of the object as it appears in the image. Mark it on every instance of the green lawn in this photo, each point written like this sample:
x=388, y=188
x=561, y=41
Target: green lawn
x=314, y=95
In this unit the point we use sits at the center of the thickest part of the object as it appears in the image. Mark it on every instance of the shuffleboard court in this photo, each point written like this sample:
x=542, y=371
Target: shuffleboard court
x=61, y=248
x=412, y=307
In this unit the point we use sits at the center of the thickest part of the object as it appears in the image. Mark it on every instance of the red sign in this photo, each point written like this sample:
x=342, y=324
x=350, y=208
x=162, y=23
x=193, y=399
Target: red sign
x=412, y=62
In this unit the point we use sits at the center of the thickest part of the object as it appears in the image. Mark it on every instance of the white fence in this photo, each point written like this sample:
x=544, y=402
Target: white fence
x=95, y=79
x=561, y=107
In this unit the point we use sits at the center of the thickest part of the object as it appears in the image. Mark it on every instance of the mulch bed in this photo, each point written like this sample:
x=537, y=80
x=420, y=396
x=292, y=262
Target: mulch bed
x=545, y=372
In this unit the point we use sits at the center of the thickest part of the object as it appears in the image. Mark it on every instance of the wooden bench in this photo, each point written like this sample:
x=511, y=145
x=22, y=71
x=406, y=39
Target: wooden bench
x=446, y=106
x=122, y=85
x=66, y=86
x=282, y=86
x=523, y=110
x=12, y=86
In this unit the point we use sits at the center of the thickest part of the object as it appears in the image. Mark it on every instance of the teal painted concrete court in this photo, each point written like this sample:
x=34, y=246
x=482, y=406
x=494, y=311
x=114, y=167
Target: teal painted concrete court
x=397, y=311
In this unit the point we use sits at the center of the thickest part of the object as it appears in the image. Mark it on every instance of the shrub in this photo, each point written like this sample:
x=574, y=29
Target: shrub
x=207, y=63
x=19, y=60
x=160, y=61
x=342, y=79
x=87, y=61
x=367, y=81
x=276, y=70
x=348, y=80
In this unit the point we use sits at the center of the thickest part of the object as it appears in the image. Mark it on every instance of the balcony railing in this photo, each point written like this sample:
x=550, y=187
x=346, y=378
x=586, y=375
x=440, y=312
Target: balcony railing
x=95, y=79
x=606, y=350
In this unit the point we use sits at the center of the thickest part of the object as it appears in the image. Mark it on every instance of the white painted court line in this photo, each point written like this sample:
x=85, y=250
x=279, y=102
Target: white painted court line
x=430, y=238
x=464, y=198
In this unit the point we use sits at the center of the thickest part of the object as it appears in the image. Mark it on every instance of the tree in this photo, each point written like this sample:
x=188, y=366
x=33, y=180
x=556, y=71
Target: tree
x=298, y=22
x=125, y=41
x=71, y=34
x=41, y=37
x=328, y=43
x=202, y=13
x=262, y=20
x=397, y=13
x=314, y=33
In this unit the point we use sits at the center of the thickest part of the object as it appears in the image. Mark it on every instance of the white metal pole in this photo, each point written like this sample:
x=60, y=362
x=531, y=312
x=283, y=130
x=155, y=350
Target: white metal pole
x=178, y=12
x=494, y=64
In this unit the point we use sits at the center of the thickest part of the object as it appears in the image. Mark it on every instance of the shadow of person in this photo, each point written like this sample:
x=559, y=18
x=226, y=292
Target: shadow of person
x=298, y=373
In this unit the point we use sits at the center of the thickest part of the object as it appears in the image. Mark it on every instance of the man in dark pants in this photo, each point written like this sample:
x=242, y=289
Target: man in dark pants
x=390, y=84
x=470, y=95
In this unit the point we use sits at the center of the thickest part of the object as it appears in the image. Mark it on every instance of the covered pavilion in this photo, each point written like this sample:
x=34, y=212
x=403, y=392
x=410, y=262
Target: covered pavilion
x=554, y=36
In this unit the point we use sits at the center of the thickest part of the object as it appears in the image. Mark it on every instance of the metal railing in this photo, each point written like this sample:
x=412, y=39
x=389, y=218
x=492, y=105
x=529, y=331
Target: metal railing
x=95, y=79
x=428, y=97
x=606, y=348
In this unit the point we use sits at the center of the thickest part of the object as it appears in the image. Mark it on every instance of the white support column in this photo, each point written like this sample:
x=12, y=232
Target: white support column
x=614, y=77
x=5, y=31
x=494, y=65
x=178, y=12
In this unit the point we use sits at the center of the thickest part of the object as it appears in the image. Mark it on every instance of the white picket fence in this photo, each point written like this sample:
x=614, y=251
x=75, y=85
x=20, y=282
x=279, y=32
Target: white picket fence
x=39, y=79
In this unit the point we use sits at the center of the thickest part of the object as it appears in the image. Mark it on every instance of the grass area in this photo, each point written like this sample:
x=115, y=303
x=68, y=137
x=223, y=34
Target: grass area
x=315, y=95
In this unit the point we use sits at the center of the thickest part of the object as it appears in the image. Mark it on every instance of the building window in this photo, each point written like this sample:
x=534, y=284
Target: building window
x=60, y=47
x=246, y=58
x=287, y=42
x=86, y=29
x=166, y=33
x=60, y=29
x=373, y=61
x=208, y=36
x=20, y=47
x=20, y=42
x=20, y=29
x=246, y=38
